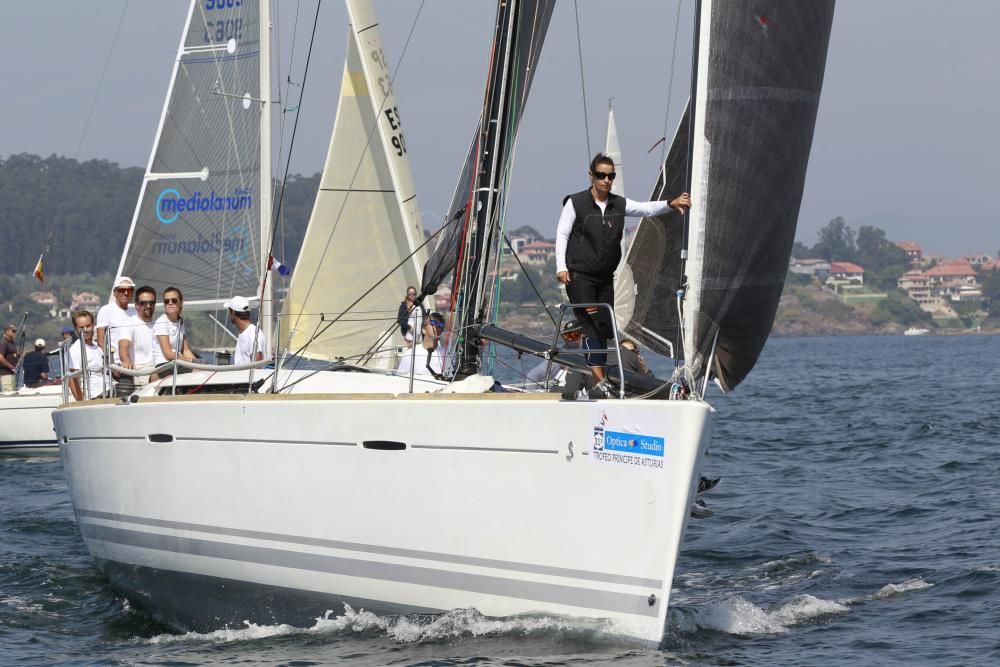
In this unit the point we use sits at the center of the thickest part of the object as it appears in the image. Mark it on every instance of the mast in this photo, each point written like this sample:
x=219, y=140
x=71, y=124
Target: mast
x=265, y=317
x=487, y=188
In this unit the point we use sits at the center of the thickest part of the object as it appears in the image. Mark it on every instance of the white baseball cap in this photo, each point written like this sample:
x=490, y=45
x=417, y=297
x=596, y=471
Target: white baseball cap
x=124, y=281
x=39, y=342
x=239, y=304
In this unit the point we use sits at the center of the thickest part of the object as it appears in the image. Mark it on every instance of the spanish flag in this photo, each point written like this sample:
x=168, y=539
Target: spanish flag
x=39, y=272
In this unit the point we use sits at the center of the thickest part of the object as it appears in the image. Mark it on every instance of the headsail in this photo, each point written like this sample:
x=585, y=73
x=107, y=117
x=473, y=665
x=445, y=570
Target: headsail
x=365, y=219
x=759, y=75
x=197, y=222
x=647, y=282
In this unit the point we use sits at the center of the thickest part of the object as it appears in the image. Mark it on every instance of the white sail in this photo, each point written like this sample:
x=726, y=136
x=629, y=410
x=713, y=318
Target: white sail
x=365, y=220
x=614, y=151
x=197, y=222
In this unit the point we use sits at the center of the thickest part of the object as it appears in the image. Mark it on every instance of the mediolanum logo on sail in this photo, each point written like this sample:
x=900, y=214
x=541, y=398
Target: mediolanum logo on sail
x=198, y=236
x=170, y=204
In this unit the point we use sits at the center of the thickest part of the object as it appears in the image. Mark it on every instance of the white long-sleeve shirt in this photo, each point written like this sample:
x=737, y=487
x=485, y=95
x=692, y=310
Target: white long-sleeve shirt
x=640, y=209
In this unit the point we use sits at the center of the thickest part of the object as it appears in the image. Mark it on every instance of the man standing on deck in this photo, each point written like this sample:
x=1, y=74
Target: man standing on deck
x=250, y=344
x=8, y=359
x=113, y=318
x=135, y=344
x=588, y=249
x=36, y=366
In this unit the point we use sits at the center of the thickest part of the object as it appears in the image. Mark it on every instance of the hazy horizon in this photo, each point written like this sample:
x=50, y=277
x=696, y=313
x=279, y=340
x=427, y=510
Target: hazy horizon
x=903, y=140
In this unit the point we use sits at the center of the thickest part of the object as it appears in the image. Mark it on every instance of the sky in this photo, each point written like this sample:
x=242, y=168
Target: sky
x=906, y=136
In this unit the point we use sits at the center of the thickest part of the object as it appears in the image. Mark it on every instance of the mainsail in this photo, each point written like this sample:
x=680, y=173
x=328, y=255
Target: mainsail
x=759, y=74
x=532, y=21
x=197, y=223
x=365, y=220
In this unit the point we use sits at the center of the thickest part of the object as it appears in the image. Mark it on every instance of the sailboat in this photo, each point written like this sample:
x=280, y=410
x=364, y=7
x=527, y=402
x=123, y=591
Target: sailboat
x=360, y=487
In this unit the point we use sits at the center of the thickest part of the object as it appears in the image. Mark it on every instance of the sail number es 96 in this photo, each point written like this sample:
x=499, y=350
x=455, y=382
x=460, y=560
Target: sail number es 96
x=398, y=142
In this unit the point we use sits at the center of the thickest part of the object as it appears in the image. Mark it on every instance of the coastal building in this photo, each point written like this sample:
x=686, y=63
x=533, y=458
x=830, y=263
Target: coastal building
x=937, y=287
x=846, y=273
x=537, y=252
x=817, y=268
x=914, y=253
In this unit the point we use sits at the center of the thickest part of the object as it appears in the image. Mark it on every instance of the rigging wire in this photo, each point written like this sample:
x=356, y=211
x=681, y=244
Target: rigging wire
x=583, y=85
x=100, y=83
x=670, y=84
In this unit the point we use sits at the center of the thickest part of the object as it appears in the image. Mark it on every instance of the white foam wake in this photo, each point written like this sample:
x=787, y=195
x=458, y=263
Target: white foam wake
x=891, y=590
x=739, y=616
x=416, y=628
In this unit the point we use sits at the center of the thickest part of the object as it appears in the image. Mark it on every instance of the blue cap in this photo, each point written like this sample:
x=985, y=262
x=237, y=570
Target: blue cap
x=67, y=330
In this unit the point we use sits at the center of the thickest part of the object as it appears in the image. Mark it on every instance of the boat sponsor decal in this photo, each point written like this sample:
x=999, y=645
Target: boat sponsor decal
x=170, y=204
x=622, y=447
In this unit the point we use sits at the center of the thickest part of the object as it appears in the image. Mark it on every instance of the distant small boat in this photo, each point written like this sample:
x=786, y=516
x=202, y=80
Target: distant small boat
x=913, y=331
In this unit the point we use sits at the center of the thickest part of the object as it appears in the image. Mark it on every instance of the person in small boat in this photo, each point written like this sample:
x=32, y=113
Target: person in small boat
x=409, y=316
x=171, y=336
x=115, y=317
x=588, y=249
x=250, y=344
x=137, y=342
x=571, y=334
x=85, y=345
x=36, y=366
x=8, y=358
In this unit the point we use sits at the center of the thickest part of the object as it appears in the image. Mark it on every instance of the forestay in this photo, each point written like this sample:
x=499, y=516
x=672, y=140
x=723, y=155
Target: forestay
x=197, y=222
x=365, y=220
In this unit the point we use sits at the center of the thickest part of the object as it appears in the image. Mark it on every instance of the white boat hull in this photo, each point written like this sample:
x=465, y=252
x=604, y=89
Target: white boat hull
x=277, y=508
x=26, y=421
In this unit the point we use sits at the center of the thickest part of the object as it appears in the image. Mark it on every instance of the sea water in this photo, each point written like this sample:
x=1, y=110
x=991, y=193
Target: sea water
x=857, y=523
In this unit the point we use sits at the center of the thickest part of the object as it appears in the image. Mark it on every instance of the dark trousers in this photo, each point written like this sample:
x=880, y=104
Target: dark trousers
x=597, y=329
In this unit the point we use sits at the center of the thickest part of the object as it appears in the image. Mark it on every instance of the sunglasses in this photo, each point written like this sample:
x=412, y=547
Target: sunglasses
x=604, y=175
x=411, y=294
x=437, y=323
x=571, y=335
x=146, y=303
x=123, y=290
x=171, y=301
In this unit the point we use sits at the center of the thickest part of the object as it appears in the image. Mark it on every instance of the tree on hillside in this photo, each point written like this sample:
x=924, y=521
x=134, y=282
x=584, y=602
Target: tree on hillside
x=991, y=292
x=801, y=251
x=883, y=260
x=526, y=230
x=836, y=241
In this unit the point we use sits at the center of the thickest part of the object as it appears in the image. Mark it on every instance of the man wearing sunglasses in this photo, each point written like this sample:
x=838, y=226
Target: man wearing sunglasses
x=116, y=317
x=135, y=345
x=589, y=247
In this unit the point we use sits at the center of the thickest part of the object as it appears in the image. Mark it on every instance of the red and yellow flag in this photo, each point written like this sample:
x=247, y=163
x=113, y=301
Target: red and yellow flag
x=39, y=272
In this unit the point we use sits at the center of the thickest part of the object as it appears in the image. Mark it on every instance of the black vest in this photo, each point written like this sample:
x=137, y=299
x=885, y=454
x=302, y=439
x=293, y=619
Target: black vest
x=595, y=244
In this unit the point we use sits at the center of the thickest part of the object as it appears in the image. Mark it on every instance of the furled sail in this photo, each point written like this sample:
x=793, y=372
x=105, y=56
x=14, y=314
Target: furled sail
x=365, y=220
x=532, y=21
x=759, y=75
x=197, y=222
x=647, y=282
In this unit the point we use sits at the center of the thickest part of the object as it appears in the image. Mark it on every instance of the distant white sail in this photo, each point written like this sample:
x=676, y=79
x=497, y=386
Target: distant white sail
x=197, y=222
x=365, y=220
x=614, y=151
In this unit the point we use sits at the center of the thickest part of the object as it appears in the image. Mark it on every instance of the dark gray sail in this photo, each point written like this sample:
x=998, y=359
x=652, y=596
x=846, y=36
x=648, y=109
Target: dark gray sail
x=760, y=71
x=645, y=290
x=532, y=21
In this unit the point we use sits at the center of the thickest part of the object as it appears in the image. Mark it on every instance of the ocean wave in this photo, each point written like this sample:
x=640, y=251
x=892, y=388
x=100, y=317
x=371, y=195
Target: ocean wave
x=21, y=604
x=892, y=590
